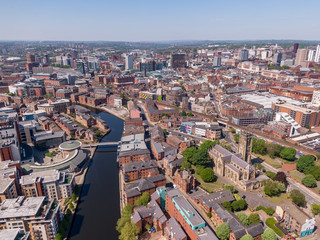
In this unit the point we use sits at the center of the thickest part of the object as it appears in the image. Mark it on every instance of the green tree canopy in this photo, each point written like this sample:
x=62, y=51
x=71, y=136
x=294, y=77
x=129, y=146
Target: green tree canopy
x=183, y=113
x=305, y=163
x=298, y=198
x=274, y=150
x=185, y=165
x=314, y=171
x=188, y=153
x=227, y=205
x=315, y=208
x=273, y=188
x=125, y=217
x=130, y=231
x=201, y=157
x=254, y=218
x=247, y=237
x=143, y=200
x=206, y=145
x=288, y=154
x=236, y=138
x=207, y=175
x=73, y=197
x=59, y=237
x=259, y=146
x=269, y=234
x=223, y=231
x=243, y=218
x=239, y=205
x=309, y=181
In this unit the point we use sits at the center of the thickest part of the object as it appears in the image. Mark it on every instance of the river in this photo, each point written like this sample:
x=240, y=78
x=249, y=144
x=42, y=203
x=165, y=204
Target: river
x=99, y=208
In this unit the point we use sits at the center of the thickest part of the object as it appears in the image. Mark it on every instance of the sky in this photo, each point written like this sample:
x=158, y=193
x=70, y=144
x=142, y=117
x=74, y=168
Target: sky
x=159, y=20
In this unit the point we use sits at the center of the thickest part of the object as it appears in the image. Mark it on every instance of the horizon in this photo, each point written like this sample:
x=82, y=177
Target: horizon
x=146, y=21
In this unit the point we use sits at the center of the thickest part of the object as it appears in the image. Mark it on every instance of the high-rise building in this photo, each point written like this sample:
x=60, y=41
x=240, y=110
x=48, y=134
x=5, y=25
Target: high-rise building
x=311, y=55
x=46, y=59
x=178, y=60
x=277, y=57
x=217, y=61
x=31, y=58
x=244, y=54
x=295, y=47
x=317, y=54
x=81, y=67
x=129, y=62
x=245, y=146
x=301, y=58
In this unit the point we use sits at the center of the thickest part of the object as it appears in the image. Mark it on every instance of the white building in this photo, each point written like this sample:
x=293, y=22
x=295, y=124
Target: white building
x=317, y=54
x=129, y=62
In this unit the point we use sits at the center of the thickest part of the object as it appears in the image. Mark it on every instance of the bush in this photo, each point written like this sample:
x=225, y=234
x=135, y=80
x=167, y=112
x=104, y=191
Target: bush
x=73, y=197
x=270, y=174
x=270, y=223
x=71, y=206
x=207, y=175
x=315, y=208
x=269, y=234
x=305, y=163
x=66, y=201
x=288, y=154
x=273, y=188
x=227, y=205
x=243, y=218
x=223, y=231
x=309, y=181
x=239, y=205
x=298, y=198
x=247, y=237
x=269, y=210
x=236, y=138
x=254, y=218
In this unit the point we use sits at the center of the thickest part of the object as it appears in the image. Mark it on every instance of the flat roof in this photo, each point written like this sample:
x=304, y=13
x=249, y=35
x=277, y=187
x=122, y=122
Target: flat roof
x=70, y=145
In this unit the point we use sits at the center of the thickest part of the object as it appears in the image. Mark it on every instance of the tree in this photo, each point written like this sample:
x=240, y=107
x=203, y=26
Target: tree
x=185, y=165
x=206, y=145
x=71, y=206
x=247, y=237
x=281, y=177
x=183, y=113
x=165, y=131
x=189, y=152
x=207, y=175
x=314, y=171
x=229, y=187
x=159, y=98
x=273, y=188
x=190, y=114
x=269, y=234
x=236, y=138
x=243, y=218
x=288, y=154
x=143, y=200
x=309, y=181
x=125, y=217
x=259, y=146
x=223, y=231
x=215, y=120
x=254, y=218
x=315, y=208
x=192, y=91
x=59, y=236
x=199, y=169
x=201, y=157
x=209, y=214
x=130, y=231
x=274, y=150
x=227, y=205
x=239, y=205
x=73, y=197
x=298, y=198
x=147, y=227
x=305, y=163
x=232, y=130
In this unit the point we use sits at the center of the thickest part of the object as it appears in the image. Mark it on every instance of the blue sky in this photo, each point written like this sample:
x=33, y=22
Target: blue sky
x=150, y=20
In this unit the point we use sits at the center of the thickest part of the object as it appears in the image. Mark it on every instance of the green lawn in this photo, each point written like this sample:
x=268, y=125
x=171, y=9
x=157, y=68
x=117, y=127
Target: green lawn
x=278, y=199
x=209, y=187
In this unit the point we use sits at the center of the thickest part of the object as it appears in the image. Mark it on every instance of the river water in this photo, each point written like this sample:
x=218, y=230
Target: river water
x=99, y=207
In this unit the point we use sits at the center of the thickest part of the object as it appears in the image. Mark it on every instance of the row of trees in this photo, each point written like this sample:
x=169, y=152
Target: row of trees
x=306, y=165
x=259, y=146
x=238, y=205
x=246, y=221
x=126, y=228
x=200, y=155
x=223, y=232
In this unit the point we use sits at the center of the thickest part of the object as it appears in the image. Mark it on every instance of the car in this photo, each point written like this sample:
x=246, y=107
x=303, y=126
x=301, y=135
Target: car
x=153, y=229
x=243, y=197
x=196, y=189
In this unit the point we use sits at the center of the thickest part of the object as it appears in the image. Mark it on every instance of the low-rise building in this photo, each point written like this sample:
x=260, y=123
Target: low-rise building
x=162, y=149
x=141, y=169
x=185, y=180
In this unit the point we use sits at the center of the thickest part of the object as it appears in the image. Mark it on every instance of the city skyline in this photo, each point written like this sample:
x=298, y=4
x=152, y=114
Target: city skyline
x=169, y=21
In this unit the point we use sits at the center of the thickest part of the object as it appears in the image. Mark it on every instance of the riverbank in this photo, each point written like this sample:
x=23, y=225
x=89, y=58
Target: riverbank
x=113, y=111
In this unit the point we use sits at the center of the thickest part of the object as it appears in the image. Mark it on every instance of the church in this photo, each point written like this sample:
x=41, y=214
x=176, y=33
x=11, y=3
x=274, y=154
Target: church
x=237, y=167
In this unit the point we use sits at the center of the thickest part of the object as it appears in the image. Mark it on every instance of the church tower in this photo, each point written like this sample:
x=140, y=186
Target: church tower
x=245, y=145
